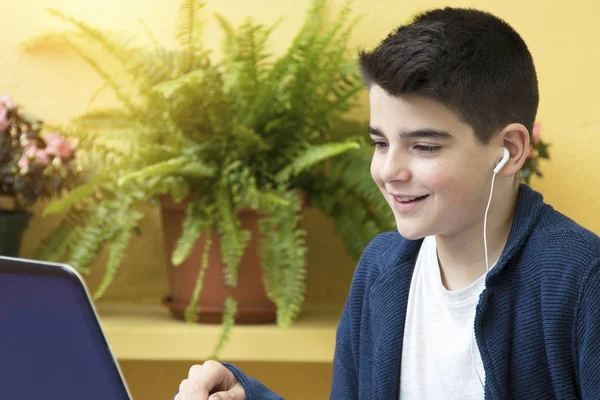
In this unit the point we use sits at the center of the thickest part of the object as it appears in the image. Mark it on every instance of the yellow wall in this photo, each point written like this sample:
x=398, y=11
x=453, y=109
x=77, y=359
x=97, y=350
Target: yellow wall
x=562, y=37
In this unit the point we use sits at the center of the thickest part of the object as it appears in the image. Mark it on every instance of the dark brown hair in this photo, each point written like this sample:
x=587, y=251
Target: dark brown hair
x=470, y=60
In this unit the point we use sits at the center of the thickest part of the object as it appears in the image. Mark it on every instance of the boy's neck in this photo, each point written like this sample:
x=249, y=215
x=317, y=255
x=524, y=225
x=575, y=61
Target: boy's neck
x=462, y=257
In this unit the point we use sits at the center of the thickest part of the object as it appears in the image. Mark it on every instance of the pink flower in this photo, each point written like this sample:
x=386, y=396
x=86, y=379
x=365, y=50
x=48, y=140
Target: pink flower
x=41, y=157
x=58, y=146
x=7, y=101
x=32, y=152
x=535, y=136
x=24, y=164
x=3, y=118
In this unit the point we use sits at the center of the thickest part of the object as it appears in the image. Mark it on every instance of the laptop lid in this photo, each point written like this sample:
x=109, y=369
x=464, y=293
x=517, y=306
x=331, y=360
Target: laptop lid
x=51, y=341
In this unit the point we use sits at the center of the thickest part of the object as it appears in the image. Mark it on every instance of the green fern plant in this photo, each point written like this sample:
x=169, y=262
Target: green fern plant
x=248, y=131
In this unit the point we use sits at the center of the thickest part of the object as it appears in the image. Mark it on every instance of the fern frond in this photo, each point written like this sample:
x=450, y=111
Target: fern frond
x=169, y=88
x=337, y=79
x=234, y=239
x=76, y=195
x=192, y=309
x=176, y=187
x=121, y=51
x=283, y=260
x=262, y=201
x=112, y=118
x=57, y=243
x=149, y=34
x=129, y=219
x=352, y=173
x=229, y=41
x=347, y=195
x=90, y=239
x=189, y=31
x=181, y=166
x=116, y=88
x=312, y=156
x=247, y=64
x=248, y=142
x=353, y=220
x=97, y=93
x=53, y=248
x=148, y=68
x=228, y=321
x=193, y=225
x=48, y=41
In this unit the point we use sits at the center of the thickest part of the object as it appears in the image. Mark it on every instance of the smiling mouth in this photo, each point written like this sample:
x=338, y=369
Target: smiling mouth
x=408, y=200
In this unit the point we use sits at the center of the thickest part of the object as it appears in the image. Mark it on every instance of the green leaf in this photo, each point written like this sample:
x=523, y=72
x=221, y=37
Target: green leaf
x=193, y=225
x=117, y=246
x=314, y=155
x=234, y=239
x=177, y=166
x=192, y=308
x=76, y=195
x=48, y=41
x=282, y=254
x=169, y=88
x=189, y=31
x=228, y=321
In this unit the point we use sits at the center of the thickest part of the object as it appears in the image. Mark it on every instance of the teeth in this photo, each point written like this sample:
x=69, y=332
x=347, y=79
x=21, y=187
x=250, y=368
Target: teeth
x=405, y=199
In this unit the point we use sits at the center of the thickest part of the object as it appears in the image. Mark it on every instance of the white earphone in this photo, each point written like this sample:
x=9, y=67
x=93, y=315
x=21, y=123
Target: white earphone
x=497, y=169
x=502, y=162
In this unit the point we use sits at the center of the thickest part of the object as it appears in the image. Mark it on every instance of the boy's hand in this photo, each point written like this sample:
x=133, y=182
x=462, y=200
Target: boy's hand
x=210, y=379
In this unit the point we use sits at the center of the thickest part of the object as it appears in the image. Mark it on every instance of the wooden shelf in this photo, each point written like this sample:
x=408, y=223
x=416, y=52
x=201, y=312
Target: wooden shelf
x=141, y=332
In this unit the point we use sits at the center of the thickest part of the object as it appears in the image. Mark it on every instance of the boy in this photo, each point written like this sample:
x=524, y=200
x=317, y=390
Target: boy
x=425, y=319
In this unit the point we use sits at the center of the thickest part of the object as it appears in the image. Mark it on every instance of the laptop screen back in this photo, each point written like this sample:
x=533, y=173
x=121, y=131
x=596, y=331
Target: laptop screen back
x=51, y=345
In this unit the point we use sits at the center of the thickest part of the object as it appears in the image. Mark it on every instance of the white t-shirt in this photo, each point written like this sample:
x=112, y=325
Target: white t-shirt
x=437, y=361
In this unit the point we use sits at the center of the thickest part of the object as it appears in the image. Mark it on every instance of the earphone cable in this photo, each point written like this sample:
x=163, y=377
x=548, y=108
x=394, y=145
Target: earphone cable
x=487, y=269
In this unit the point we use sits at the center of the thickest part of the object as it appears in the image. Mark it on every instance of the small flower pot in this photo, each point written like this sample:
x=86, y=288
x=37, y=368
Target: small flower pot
x=12, y=225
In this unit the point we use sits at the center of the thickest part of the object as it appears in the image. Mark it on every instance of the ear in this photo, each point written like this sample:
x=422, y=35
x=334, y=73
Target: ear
x=515, y=137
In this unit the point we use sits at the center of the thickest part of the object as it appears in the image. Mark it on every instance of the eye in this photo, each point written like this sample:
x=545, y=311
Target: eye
x=379, y=144
x=426, y=149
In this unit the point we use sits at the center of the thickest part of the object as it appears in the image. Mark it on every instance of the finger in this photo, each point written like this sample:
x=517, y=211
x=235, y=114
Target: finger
x=183, y=390
x=206, y=379
x=194, y=372
x=221, y=396
x=236, y=393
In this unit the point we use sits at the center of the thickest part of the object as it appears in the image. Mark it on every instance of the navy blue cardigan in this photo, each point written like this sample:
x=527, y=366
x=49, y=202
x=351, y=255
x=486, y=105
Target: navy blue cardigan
x=537, y=322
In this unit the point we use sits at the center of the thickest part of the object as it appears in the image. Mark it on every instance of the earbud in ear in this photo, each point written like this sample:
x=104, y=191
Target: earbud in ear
x=502, y=162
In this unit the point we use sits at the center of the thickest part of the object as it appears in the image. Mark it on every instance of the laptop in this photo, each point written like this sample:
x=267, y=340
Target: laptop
x=51, y=342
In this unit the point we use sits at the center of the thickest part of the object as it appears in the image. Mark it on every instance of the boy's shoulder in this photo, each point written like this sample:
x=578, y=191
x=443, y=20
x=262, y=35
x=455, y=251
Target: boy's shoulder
x=553, y=225
x=557, y=237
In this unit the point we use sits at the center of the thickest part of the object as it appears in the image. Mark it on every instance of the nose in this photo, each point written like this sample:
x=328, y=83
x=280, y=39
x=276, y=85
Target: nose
x=394, y=168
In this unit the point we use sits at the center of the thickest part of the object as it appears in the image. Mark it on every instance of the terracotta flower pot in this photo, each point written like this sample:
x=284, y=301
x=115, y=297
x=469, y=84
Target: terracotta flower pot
x=253, y=304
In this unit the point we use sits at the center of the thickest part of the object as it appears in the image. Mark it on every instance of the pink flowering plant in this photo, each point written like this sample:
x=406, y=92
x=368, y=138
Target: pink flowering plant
x=538, y=149
x=33, y=165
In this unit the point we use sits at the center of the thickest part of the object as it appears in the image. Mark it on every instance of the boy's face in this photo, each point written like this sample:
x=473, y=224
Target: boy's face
x=424, y=150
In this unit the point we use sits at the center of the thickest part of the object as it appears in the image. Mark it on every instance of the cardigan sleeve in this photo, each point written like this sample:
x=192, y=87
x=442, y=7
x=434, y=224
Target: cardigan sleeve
x=345, y=377
x=588, y=335
x=253, y=388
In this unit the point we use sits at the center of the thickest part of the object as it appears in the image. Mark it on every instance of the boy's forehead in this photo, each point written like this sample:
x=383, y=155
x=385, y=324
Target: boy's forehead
x=393, y=115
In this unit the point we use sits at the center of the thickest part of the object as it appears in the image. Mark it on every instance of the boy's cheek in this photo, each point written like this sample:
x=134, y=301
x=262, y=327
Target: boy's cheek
x=375, y=169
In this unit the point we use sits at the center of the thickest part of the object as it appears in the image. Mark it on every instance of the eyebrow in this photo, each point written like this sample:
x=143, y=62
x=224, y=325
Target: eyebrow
x=417, y=133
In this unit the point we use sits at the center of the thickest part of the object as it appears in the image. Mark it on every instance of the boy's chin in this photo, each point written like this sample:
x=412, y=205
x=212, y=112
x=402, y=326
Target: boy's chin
x=410, y=234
